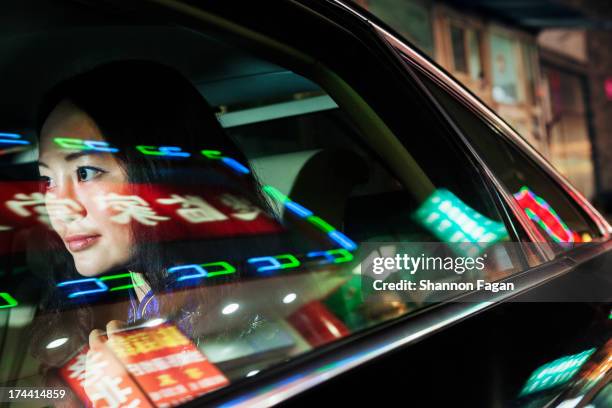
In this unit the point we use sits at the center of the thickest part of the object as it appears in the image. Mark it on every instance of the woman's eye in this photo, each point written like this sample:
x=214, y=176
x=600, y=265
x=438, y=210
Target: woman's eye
x=47, y=182
x=88, y=173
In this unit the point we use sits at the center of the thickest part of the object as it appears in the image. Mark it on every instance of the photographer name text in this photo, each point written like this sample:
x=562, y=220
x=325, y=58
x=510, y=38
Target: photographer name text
x=429, y=285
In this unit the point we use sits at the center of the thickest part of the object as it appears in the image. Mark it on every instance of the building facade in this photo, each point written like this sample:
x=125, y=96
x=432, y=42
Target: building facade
x=524, y=75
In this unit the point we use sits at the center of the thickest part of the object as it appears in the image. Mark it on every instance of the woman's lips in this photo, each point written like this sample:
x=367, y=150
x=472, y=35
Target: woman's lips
x=80, y=242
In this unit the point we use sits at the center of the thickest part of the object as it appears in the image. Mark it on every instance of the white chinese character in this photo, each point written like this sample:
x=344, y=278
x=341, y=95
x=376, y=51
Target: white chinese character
x=130, y=208
x=160, y=364
x=135, y=403
x=209, y=382
x=245, y=210
x=189, y=357
x=65, y=208
x=78, y=370
x=194, y=209
x=21, y=201
x=135, y=369
x=109, y=389
x=180, y=389
x=147, y=366
x=94, y=368
x=172, y=360
x=87, y=368
x=35, y=200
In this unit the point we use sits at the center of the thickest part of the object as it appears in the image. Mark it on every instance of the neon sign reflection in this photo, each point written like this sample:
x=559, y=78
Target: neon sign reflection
x=540, y=212
x=199, y=271
x=79, y=144
x=275, y=263
x=12, y=139
x=304, y=213
x=556, y=372
x=339, y=255
x=97, y=286
x=145, y=216
x=228, y=161
x=147, y=150
x=8, y=300
x=128, y=208
x=196, y=272
x=451, y=220
x=166, y=151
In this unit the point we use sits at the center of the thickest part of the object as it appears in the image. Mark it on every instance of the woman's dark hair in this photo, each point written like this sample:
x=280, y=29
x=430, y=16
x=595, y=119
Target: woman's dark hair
x=144, y=103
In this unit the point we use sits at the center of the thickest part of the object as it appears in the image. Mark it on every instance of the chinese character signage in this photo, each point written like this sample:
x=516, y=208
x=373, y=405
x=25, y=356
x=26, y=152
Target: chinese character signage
x=100, y=381
x=159, y=362
x=178, y=213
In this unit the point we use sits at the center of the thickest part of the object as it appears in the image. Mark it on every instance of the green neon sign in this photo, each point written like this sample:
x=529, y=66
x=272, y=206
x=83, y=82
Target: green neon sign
x=451, y=220
x=343, y=255
x=211, y=154
x=275, y=194
x=292, y=261
x=10, y=301
x=320, y=223
x=70, y=143
x=121, y=276
x=556, y=372
x=227, y=269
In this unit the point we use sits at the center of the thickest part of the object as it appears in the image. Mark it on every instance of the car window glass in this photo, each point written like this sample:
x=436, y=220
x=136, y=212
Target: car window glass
x=558, y=217
x=172, y=245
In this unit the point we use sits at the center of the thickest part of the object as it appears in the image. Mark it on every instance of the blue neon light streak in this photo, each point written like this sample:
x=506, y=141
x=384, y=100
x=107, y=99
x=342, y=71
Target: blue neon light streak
x=317, y=222
x=275, y=264
x=298, y=209
x=342, y=240
x=329, y=258
x=100, y=146
x=173, y=151
x=200, y=272
x=101, y=286
x=12, y=137
x=235, y=165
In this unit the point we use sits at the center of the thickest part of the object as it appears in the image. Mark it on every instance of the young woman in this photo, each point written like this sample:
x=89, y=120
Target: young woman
x=114, y=108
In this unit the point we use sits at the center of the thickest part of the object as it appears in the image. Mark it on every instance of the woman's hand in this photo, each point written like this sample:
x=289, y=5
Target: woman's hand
x=97, y=337
x=97, y=359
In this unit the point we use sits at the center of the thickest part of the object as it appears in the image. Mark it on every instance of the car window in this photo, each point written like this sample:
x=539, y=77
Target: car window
x=561, y=221
x=155, y=241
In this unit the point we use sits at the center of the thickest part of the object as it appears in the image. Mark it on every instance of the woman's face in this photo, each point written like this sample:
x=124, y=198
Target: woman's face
x=76, y=180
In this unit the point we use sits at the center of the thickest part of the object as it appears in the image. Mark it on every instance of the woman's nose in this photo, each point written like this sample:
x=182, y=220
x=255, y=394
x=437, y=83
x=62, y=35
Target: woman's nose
x=63, y=203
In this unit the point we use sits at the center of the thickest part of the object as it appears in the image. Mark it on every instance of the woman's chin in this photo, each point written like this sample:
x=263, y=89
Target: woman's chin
x=90, y=270
x=89, y=267
x=90, y=263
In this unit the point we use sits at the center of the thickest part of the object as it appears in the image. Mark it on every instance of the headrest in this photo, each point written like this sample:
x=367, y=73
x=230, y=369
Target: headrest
x=280, y=171
x=320, y=180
